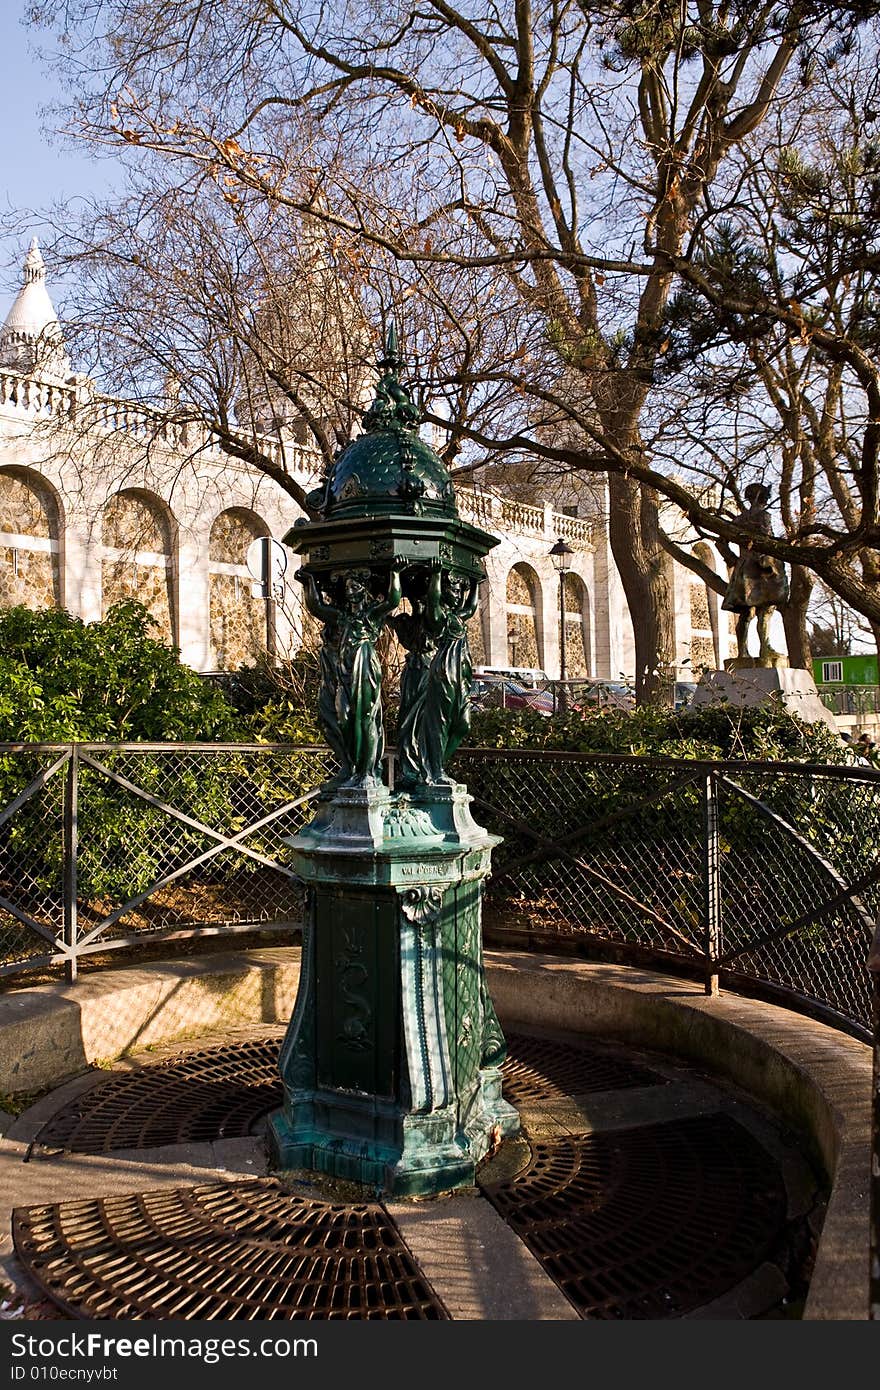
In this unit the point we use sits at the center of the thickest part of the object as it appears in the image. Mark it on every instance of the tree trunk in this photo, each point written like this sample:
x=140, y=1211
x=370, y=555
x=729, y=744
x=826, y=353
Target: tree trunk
x=794, y=618
x=645, y=573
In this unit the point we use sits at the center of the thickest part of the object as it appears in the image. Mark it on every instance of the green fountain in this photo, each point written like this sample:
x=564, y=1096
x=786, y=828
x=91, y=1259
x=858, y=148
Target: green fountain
x=391, y=1063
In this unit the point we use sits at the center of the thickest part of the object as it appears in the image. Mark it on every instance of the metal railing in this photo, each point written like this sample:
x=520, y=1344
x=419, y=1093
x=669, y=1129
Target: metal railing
x=761, y=872
x=745, y=872
x=108, y=845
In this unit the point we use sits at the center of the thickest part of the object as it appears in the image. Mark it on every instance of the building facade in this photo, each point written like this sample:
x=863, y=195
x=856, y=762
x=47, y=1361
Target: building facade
x=101, y=500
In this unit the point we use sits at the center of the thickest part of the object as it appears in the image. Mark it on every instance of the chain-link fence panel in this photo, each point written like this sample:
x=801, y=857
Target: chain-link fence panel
x=190, y=836
x=618, y=849
x=33, y=786
x=794, y=848
x=607, y=848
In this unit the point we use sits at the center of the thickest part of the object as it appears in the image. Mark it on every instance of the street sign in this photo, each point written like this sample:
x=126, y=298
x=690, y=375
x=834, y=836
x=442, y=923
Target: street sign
x=266, y=560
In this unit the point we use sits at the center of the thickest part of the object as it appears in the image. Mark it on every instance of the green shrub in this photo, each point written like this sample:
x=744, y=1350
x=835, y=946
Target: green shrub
x=63, y=680
x=766, y=732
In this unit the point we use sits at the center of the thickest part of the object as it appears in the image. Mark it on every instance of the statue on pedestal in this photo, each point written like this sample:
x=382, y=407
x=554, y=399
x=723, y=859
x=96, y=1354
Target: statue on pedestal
x=758, y=584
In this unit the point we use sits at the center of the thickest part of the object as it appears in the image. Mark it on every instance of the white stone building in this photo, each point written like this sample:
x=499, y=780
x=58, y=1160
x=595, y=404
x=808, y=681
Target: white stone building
x=141, y=507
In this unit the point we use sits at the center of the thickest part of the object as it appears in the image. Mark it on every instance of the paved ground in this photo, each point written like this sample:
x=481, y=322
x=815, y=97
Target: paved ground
x=475, y=1262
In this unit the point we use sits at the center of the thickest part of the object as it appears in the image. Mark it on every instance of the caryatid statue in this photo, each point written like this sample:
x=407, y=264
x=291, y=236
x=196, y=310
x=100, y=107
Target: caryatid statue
x=451, y=602
x=758, y=584
x=350, y=700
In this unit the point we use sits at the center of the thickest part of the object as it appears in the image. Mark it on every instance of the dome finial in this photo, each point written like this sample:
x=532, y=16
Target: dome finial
x=393, y=408
x=392, y=362
x=34, y=265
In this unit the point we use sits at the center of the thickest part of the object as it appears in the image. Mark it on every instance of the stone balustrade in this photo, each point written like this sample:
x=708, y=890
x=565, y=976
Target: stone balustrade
x=33, y=398
x=496, y=513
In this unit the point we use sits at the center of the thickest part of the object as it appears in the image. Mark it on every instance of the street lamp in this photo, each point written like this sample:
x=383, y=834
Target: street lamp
x=561, y=555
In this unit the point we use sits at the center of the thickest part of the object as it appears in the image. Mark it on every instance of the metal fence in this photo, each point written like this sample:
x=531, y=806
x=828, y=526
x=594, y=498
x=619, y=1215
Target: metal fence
x=755, y=872
x=107, y=845
x=851, y=699
x=752, y=872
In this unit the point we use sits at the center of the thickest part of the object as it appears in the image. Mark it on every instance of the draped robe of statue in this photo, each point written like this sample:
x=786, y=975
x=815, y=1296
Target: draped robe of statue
x=420, y=646
x=352, y=719
x=451, y=601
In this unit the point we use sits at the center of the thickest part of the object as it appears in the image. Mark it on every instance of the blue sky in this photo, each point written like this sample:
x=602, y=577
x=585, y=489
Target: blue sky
x=38, y=167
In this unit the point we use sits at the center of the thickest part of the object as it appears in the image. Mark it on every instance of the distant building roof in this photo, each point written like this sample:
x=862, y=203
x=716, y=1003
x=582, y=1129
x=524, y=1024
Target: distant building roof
x=31, y=339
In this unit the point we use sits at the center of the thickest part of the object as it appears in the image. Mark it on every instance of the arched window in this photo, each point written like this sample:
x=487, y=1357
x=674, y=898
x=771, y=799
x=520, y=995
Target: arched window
x=578, y=637
x=138, y=557
x=30, y=541
x=523, y=590
x=241, y=624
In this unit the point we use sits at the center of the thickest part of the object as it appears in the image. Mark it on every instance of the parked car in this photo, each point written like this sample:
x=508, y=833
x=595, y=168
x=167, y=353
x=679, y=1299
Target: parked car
x=508, y=694
x=529, y=676
x=684, y=693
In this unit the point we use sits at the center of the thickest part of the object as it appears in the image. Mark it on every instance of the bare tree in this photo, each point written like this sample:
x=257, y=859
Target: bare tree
x=533, y=176
x=782, y=299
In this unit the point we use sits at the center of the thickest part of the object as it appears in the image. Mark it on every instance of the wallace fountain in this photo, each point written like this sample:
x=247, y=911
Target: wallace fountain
x=391, y=1064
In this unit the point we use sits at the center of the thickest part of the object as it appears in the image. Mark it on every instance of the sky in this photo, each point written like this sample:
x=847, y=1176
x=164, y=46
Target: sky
x=38, y=167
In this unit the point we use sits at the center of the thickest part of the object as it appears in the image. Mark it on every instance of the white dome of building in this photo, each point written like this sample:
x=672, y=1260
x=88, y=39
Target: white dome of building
x=31, y=339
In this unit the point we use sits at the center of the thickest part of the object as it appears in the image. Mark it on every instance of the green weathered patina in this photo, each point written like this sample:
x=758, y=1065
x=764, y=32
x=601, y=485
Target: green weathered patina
x=391, y=1064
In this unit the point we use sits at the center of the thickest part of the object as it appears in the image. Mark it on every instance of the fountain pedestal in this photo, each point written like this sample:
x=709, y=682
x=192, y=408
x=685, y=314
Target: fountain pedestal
x=391, y=1064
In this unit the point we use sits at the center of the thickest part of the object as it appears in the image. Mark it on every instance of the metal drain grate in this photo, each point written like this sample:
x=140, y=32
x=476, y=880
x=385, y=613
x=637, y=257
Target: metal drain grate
x=244, y=1250
x=223, y=1092
x=647, y=1223
x=545, y=1069
x=196, y=1097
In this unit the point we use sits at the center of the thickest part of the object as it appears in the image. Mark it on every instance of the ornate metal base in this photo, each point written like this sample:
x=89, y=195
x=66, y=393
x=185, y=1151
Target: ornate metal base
x=391, y=1062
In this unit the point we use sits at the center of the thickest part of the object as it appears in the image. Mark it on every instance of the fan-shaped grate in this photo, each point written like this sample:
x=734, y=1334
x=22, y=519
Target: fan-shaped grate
x=647, y=1223
x=218, y=1093
x=246, y=1250
x=547, y=1069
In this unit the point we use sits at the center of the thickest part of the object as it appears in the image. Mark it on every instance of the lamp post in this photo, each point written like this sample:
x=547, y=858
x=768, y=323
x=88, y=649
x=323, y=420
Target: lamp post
x=561, y=555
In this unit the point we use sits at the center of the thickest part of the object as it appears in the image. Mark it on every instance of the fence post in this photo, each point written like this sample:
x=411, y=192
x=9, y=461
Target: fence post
x=711, y=882
x=70, y=848
x=874, y=1179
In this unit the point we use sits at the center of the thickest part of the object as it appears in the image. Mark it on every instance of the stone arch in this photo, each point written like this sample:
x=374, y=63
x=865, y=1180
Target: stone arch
x=31, y=540
x=139, y=540
x=705, y=639
x=242, y=624
x=523, y=595
x=578, y=632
